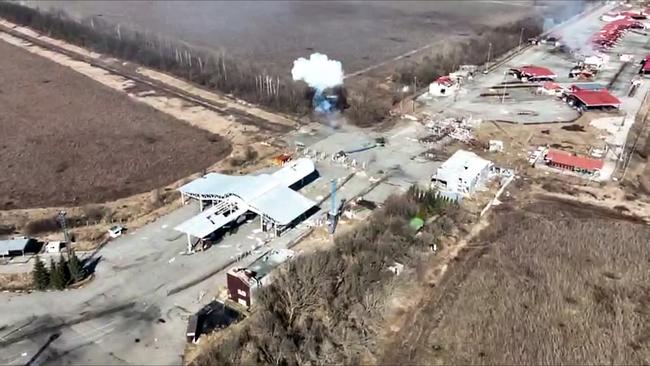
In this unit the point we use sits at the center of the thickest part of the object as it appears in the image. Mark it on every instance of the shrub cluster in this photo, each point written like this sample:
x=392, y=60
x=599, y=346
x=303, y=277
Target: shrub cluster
x=326, y=307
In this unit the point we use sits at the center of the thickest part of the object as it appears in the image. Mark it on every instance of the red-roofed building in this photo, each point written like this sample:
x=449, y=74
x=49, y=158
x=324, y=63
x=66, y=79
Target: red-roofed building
x=634, y=14
x=533, y=73
x=581, y=164
x=445, y=80
x=585, y=99
x=443, y=86
x=611, y=32
x=551, y=88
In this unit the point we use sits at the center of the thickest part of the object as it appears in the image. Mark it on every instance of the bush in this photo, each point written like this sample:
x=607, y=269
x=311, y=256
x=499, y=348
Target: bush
x=40, y=275
x=6, y=229
x=57, y=275
x=41, y=226
x=94, y=212
x=250, y=154
x=325, y=307
x=75, y=268
x=366, y=107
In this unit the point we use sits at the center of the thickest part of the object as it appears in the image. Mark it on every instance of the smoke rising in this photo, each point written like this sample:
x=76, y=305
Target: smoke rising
x=318, y=71
x=576, y=41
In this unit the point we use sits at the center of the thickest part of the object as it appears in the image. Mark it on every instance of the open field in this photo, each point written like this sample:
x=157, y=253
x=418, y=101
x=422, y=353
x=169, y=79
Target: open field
x=273, y=34
x=555, y=282
x=67, y=140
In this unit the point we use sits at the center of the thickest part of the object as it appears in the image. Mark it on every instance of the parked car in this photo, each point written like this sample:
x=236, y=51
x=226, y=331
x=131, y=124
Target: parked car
x=115, y=231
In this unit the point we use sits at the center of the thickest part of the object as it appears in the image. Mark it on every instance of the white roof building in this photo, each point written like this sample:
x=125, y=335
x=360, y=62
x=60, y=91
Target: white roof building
x=12, y=247
x=268, y=195
x=462, y=173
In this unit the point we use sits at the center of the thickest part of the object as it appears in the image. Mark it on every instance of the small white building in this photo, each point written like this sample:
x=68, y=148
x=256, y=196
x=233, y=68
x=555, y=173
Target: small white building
x=462, y=173
x=442, y=87
x=596, y=62
x=496, y=146
x=53, y=247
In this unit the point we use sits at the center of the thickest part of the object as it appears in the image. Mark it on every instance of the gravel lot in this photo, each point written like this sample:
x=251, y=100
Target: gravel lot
x=66, y=140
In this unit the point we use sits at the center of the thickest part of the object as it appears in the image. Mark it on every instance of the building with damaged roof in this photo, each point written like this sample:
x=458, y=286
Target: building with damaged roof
x=242, y=282
x=461, y=174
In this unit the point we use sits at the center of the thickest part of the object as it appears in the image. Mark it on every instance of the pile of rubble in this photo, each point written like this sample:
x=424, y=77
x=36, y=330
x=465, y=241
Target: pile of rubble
x=459, y=129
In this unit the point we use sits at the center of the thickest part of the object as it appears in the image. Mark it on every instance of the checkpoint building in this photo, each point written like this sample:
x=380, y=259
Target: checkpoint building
x=229, y=198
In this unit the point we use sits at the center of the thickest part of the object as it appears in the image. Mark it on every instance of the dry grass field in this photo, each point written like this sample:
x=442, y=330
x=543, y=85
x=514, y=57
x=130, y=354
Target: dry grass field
x=554, y=282
x=67, y=140
x=271, y=34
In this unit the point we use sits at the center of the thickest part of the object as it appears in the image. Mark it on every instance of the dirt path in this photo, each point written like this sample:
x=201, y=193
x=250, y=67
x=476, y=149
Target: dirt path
x=412, y=336
x=200, y=108
x=610, y=197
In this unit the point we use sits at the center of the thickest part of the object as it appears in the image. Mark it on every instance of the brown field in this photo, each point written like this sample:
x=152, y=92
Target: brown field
x=67, y=140
x=554, y=282
x=273, y=34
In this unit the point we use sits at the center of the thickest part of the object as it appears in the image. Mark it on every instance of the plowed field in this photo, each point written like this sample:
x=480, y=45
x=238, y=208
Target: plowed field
x=67, y=140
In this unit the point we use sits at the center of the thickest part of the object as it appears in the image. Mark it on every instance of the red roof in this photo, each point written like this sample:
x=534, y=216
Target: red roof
x=596, y=98
x=614, y=30
x=445, y=80
x=563, y=158
x=634, y=14
x=536, y=71
x=551, y=85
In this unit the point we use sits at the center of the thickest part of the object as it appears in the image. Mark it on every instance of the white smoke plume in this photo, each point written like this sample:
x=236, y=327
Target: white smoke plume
x=318, y=71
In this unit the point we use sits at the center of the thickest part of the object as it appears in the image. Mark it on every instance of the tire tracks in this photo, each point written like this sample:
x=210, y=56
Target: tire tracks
x=414, y=336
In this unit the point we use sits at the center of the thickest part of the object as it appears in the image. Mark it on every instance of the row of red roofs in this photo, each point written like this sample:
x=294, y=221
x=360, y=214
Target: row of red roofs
x=614, y=30
x=591, y=96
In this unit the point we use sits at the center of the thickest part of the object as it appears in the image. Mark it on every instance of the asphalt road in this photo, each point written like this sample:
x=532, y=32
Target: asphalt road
x=135, y=310
x=126, y=311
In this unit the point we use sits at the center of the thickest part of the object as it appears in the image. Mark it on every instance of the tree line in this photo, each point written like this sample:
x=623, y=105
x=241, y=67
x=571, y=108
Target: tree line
x=222, y=72
x=371, y=103
x=214, y=70
x=60, y=274
x=327, y=307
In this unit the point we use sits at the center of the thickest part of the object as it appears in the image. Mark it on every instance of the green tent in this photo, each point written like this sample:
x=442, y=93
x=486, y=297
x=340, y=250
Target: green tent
x=416, y=223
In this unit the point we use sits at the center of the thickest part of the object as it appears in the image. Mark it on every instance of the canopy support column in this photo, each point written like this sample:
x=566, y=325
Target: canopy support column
x=189, y=244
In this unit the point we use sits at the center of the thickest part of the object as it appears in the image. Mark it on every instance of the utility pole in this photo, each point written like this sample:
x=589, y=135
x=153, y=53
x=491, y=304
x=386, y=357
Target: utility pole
x=333, y=214
x=487, y=63
x=521, y=36
x=505, y=86
x=64, y=227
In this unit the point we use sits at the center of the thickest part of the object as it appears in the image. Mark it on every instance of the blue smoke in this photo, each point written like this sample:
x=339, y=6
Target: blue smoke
x=321, y=102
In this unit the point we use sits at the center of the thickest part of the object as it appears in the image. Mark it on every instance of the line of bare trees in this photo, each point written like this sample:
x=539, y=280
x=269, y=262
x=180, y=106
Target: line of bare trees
x=327, y=307
x=368, y=106
x=215, y=70
x=221, y=72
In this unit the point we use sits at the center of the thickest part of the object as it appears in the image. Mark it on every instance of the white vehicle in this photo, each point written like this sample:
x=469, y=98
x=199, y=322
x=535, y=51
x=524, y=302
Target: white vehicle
x=115, y=231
